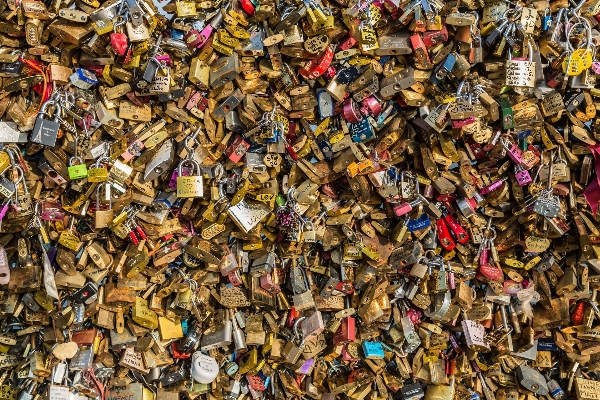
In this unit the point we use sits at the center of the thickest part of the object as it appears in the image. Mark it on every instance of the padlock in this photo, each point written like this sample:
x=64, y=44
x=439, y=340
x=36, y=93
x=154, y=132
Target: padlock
x=77, y=171
x=45, y=131
x=103, y=217
x=119, y=40
x=192, y=185
x=520, y=72
x=97, y=173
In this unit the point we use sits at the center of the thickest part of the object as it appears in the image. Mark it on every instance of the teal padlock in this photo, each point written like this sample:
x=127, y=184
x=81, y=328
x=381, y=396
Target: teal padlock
x=77, y=171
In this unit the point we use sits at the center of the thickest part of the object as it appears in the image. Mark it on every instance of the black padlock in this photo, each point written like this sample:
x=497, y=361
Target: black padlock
x=87, y=294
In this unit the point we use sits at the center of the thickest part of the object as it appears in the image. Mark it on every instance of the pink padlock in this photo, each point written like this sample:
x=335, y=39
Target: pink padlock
x=515, y=154
x=491, y=272
x=133, y=149
x=404, y=208
x=494, y=186
x=51, y=211
x=371, y=105
x=484, y=257
x=209, y=29
x=4, y=268
x=463, y=122
x=164, y=58
x=511, y=287
x=351, y=111
x=523, y=177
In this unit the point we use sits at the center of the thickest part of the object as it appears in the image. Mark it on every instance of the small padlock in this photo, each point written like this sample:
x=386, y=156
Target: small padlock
x=77, y=171
x=118, y=39
x=522, y=176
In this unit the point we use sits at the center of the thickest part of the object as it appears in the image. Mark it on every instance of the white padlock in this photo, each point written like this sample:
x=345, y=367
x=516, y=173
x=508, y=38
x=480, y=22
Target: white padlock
x=204, y=368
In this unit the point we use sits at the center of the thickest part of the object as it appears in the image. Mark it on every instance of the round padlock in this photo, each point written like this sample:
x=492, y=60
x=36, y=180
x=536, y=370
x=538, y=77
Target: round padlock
x=204, y=368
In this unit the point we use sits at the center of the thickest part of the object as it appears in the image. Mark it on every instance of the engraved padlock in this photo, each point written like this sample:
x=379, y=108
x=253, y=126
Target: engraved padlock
x=45, y=131
x=192, y=185
x=98, y=173
x=522, y=176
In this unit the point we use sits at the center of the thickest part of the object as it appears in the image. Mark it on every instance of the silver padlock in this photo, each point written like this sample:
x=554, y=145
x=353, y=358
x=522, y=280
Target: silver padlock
x=520, y=72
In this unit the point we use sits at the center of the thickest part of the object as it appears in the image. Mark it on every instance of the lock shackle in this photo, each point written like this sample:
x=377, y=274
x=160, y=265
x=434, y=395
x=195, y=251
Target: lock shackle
x=575, y=10
x=44, y=108
x=76, y=158
x=66, y=374
x=122, y=21
x=68, y=96
x=472, y=27
x=463, y=85
x=12, y=154
x=187, y=161
x=106, y=188
x=101, y=160
x=185, y=142
x=296, y=334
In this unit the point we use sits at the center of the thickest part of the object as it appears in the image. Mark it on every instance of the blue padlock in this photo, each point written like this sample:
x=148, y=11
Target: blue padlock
x=373, y=350
x=177, y=34
x=325, y=146
x=546, y=20
x=443, y=69
x=347, y=75
x=361, y=131
x=417, y=224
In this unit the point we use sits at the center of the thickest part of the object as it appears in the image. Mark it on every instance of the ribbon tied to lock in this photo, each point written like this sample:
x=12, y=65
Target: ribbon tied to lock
x=527, y=297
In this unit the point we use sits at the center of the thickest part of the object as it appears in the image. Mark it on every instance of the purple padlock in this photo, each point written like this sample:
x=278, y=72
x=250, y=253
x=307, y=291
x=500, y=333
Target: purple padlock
x=184, y=172
x=284, y=218
x=596, y=67
x=51, y=211
x=484, y=257
x=164, y=58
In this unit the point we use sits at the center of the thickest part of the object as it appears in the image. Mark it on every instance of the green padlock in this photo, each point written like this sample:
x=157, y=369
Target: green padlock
x=79, y=170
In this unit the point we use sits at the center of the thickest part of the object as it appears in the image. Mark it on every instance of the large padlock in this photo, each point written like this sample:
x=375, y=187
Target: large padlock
x=45, y=131
x=118, y=40
x=520, y=72
x=192, y=185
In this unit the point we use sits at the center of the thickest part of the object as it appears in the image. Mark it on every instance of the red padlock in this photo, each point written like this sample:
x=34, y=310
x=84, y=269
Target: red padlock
x=237, y=148
x=118, y=40
x=459, y=232
x=444, y=235
x=346, y=332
